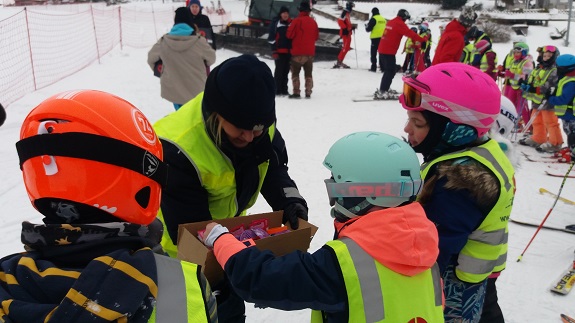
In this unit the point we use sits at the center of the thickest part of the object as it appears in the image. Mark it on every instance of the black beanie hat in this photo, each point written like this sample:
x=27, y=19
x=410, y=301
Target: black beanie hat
x=284, y=9
x=183, y=16
x=375, y=11
x=242, y=90
x=304, y=6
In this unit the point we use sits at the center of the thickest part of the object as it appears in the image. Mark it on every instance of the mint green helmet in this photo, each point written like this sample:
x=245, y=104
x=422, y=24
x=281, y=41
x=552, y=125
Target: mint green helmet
x=370, y=168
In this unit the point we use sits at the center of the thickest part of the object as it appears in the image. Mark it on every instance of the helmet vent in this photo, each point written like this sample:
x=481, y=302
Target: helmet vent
x=446, y=73
x=143, y=196
x=406, y=172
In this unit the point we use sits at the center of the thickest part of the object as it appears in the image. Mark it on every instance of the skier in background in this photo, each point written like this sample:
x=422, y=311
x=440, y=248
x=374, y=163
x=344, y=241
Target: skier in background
x=421, y=49
x=303, y=32
x=281, y=46
x=563, y=98
x=408, y=49
x=375, y=26
x=516, y=74
x=485, y=59
x=388, y=46
x=345, y=33
x=546, y=135
x=452, y=42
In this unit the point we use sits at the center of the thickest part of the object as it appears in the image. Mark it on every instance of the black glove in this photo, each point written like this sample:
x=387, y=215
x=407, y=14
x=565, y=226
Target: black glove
x=344, y=32
x=294, y=211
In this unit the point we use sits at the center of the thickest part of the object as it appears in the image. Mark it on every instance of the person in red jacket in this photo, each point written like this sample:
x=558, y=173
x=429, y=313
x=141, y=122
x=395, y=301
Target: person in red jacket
x=452, y=41
x=394, y=31
x=345, y=31
x=304, y=32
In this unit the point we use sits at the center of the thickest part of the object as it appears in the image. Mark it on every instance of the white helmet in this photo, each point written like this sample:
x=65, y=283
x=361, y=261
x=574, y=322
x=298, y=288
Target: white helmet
x=507, y=118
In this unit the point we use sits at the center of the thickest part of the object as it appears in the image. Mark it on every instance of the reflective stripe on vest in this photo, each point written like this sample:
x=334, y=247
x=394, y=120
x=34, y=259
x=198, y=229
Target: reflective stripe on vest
x=484, y=66
x=537, y=78
x=418, y=296
x=561, y=109
x=486, y=248
x=186, y=130
x=180, y=297
x=379, y=27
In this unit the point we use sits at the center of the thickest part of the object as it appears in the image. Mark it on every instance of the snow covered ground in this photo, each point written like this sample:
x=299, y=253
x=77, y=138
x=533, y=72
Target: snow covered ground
x=309, y=128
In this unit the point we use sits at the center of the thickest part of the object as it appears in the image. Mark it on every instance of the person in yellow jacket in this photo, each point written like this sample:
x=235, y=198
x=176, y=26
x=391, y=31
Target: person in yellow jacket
x=96, y=257
x=381, y=265
x=223, y=150
x=375, y=26
x=469, y=182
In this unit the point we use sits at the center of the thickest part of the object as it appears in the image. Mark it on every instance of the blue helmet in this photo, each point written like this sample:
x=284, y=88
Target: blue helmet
x=565, y=63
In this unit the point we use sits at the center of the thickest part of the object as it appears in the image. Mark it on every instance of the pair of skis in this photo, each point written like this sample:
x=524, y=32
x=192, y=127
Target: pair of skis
x=550, y=171
x=567, y=229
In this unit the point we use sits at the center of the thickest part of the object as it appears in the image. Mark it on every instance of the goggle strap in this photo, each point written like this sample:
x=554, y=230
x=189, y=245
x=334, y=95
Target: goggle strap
x=96, y=148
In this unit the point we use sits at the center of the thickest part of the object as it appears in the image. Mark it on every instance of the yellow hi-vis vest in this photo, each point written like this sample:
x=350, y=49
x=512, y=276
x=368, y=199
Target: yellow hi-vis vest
x=484, y=66
x=486, y=248
x=186, y=129
x=561, y=109
x=537, y=78
x=379, y=27
x=180, y=297
x=409, y=46
x=516, y=68
x=377, y=294
x=467, y=57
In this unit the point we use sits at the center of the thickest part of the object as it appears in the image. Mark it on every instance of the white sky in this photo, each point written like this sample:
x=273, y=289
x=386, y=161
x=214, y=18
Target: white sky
x=309, y=128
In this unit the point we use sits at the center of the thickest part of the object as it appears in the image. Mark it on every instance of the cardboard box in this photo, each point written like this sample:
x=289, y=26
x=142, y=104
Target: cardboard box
x=191, y=249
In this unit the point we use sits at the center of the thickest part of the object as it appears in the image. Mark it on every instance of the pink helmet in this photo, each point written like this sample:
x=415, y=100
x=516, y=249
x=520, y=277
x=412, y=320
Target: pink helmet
x=459, y=92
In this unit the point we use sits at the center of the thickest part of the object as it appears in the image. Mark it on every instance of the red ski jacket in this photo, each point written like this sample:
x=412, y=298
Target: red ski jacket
x=303, y=32
x=451, y=43
x=394, y=31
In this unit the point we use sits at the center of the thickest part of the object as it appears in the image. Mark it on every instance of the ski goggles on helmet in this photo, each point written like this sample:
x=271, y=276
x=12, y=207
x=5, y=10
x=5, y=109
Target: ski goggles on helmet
x=389, y=189
x=416, y=97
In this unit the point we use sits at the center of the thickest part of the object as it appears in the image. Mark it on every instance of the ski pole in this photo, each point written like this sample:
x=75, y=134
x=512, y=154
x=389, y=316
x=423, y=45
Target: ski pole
x=519, y=116
x=355, y=49
x=530, y=121
x=548, y=213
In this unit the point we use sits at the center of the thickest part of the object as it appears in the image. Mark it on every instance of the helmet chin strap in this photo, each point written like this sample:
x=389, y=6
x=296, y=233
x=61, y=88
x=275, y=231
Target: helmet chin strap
x=340, y=213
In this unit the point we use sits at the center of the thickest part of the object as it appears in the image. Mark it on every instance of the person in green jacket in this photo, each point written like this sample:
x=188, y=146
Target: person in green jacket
x=92, y=166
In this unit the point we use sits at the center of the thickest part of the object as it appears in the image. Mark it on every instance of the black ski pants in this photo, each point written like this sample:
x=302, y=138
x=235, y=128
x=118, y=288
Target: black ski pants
x=281, y=73
x=373, y=52
x=389, y=70
x=491, y=311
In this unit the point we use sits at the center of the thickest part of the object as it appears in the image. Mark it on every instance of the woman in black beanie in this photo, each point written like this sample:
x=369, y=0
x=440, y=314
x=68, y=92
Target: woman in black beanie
x=223, y=150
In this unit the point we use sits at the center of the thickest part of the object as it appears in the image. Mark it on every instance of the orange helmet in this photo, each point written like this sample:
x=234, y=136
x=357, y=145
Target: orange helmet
x=91, y=150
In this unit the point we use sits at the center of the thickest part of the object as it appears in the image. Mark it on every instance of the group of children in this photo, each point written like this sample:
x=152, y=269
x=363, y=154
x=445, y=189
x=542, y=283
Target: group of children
x=544, y=82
